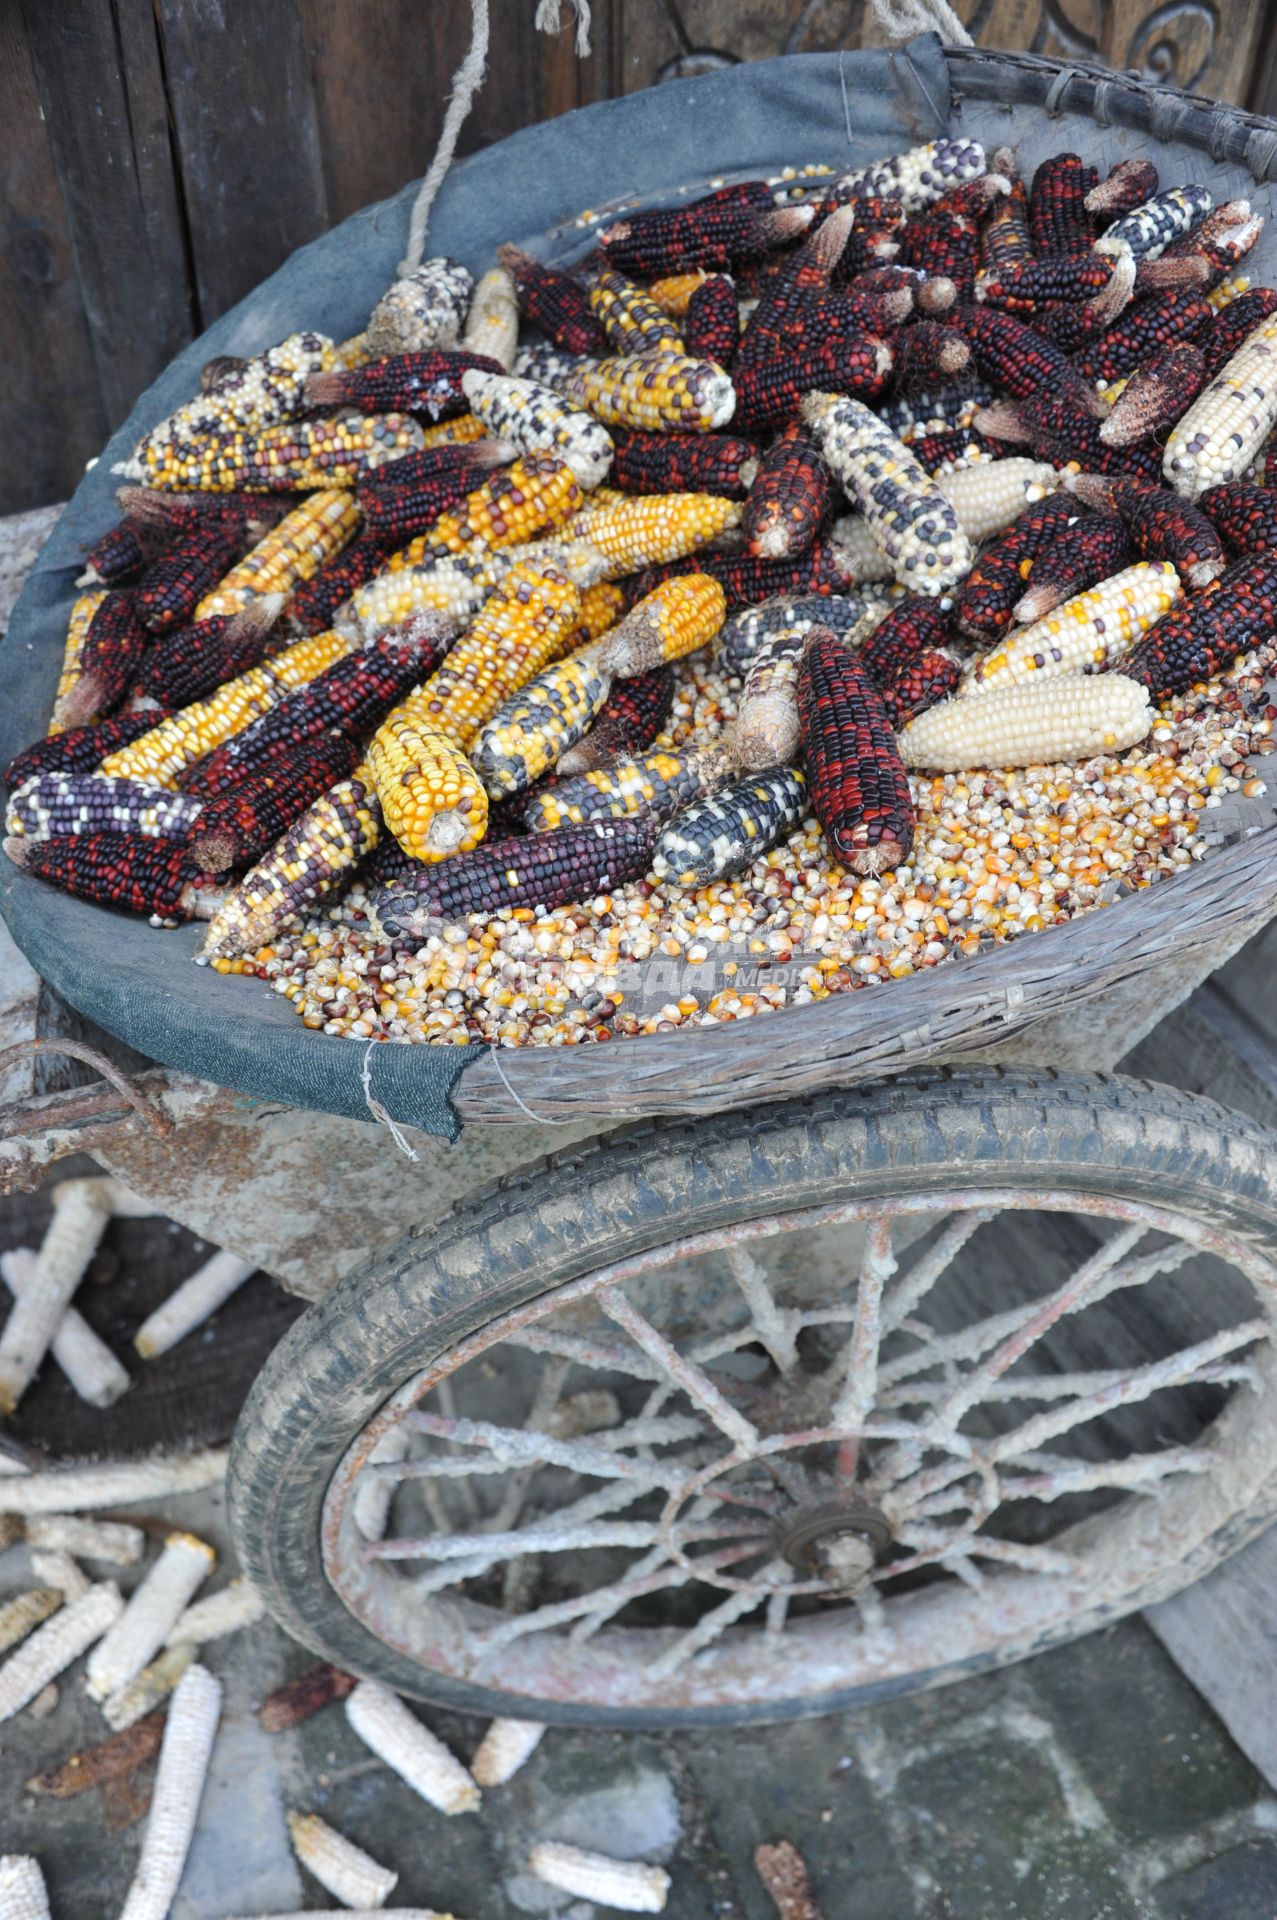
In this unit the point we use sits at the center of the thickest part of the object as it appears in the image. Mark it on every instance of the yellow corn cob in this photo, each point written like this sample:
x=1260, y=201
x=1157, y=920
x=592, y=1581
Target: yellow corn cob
x=1111, y=391
x=1230, y=289
x=515, y=504
x=533, y=729
x=631, y=320
x=431, y=798
x=989, y=496
x=1084, y=634
x=673, y=293
x=1223, y=430
x=295, y=456
x=601, y=607
x=454, y=433
x=1029, y=725
x=184, y=737
x=77, y=628
x=306, y=539
x=657, y=392
x=492, y=324
x=352, y=353
x=674, y=619
x=655, y=527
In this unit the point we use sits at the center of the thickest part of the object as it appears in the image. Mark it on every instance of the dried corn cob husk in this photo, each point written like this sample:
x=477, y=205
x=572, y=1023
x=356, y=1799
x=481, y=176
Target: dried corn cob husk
x=492, y=324
x=395, y=1735
x=109, y=1540
x=88, y=1363
x=632, y=1886
x=298, y=1699
x=184, y=1757
x=1034, y=724
x=52, y=1647
x=343, y=1869
x=505, y=1747
x=112, y=1759
x=152, y=1610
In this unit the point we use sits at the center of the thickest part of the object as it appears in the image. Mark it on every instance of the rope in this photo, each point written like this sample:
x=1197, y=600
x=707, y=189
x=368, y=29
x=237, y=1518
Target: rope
x=375, y=1107
x=903, y=18
x=466, y=83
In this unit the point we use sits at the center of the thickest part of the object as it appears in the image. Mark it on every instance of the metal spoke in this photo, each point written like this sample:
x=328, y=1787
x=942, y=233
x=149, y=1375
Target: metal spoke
x=552, y=1537
x=598, y=1354
x=931, y=1267
x=696, y=1384
x=775, y=1327
x=515, y=1447
x=860, y=1382
x=1057, y=1386
x=636, y=1433
x=1141, y=1472
x=709, y=1628
x=652, y=1574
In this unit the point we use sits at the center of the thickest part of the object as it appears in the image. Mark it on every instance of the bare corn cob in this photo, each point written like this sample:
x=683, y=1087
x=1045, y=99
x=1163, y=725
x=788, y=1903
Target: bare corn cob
x=106, y=659
x=1087, y=633
x=712, y=327
x=535, y=419
x=239, y=826
x=633, y=715
x=632, y=322
x=920, y=683
x=1221, y=433
x=791, y=495
x=1211, y=630
x=492, y=324
x=313, y=533
x=765, y=733
x=654, y=528
x=172, y=586
x=859, y=789
x=673, y=620
x=655, y=391
x=54, y=805
x=155, y=877
x=252, y=395
x=83, y=612
x=1147, y=230
x=421, y=310
x=1091, y=550
x=657, y=783
x=554, y=302
x=1035, y=724
x=78, y=749
x=719, y=835
x=684, y=463
x=529, y=733
x=297, y=456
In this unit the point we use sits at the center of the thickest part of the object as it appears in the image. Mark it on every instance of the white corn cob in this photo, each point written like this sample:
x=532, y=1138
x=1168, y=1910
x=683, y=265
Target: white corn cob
x=988, y=497
x=766, y=730
x=179, y=1782
x=237, y=1605
x=96, y=1539
x=422, y=309
x=1084, y=634
x=113, y=1195
x=632, y=1886
x=1030, y=725
x=78, y=1223
x=88, y=1363
x=909, y=516
x=457, y=587
x=22, y=1894
x=1227, y=424
x=341, y=1868
x=192, y=1304
x=854, y=540
x=25, y=1612
x=112, y=1483
x=151, y=1613
x=54, y=1568
x=53, y=1647
x=152, y=1685
x=492, y=324
x=535, y=418
x=396, y=1736
x=503, y=1750
x=45, y=1702
x=917, y=177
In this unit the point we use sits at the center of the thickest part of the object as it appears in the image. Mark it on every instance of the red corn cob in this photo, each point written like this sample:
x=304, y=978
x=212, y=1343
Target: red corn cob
x=633, y=715
x=175, y=583
x=164, y=517
x=1155, y=396
x=1145, y=327
x=1062, y=435
x=237, y=826
x=932, y=293
x=683, y=463
x=118, y=557
x=1161, y=525
x=1074, y=324
x=982, y=607
x=874, y=309
x=935, y=450
x=312, y=606
x=1015, y=357
x=1094, y=547
x=711, y=326
x=427, y=383
x=1058, y=218
x=1270, y=465
x=913, y=627
x=928, y=354
x=1004, y=237
x=185, y=665
x=1032, y=284
x=1229, y=327
x=789, y=499
x=1244, y=516
x=397, y=507
x=79, y=749
x=874, y=241
x=156, y=877
x=919, y=684
x=769, y=394
x=554, y=302
x=1128, y=186
x=823, y=569
x=1206, y=633
x=668, y=240
x=112, y=648
x=859, y=788
x=944, y=243
x=789, y=289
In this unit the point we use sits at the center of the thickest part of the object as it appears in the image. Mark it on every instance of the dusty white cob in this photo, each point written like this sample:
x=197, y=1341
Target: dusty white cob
x=53, y=1567
x=988, y=497
x=237, y=1605
x=492, y=324
x=152, y=1685
x=88, y=1363
x=343, y=1869
x=375, y=1493
x=22, y=1894
x=918, y=177
x=179, y=1782
x=112, y=1483
x=151, y=1613
x=632, y=1886
x=535, y=418
x=110, y=1540
x=52, y=1647
x=503, y=1750
x=854, y=540
x=1227, y=424
x=396, y=1736
x=79, y=1219
x=1033, y=724
x=1083, y=634
x=424, y=308
x=457, y=587
x=909, y=516
x=25, y=1612
x=191, y=1304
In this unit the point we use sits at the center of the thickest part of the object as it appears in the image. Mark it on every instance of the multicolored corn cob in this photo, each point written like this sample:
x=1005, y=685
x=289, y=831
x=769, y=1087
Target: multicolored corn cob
x=421, y=310
x=791, y=496
x=1038, y=723
x=917, y=177
x=55, y=805
x=1155, y=396
x=1059, y=220
x=668, y=623
x=771, y=392
x=631, y=320
x=239, y=826
x=530, y=732
x=295, y=457
x=456, y=588
x=765, y=732
x=1245, y=516
x=944, y=243
x=745, y=633
x=248, y=396
x=715, y=837
x=1092, y=549
x=928, y=354
x=155, y=877
x=1210, y=631
x=982, y=607
x=909, y=515
x=711, y=330
x=657, y=392
x=554, y=302
x=83, y=612
x=403, y=500
x=77, y=749
x=1087, y=633
x=1220, y=435
x=1033, y=284
x=1074, y=325
x=106, y=660
x=1127, y=186
x=311, y=609
x=601, y=607
x=314, y=533
x=117, y=558
x=518, y=503
x=432, y=799
x=429, y=383
x=492, y=323
x=919, y=684
x=454, y=433
x=859, y=788
x=1224, y=333
x=1147, y=325
x=654, y=528
x=825, y=568
x=790, y=291
x=1148, y=229
x=961, y=445
x=535, y=419
x=656, y=784
x=186, y=665
x=1004, y=235
x=176, y=581
x=665, y=240
x=1160, y=525
x=1016, y=358
x=909, y=629
x=633, y=715
x=684, y=463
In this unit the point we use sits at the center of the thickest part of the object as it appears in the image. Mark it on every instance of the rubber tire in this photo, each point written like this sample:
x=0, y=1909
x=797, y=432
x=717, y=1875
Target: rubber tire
x=637, y=1189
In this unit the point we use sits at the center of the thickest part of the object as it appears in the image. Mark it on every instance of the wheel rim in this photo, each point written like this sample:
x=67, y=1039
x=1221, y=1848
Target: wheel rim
x=712, y=1476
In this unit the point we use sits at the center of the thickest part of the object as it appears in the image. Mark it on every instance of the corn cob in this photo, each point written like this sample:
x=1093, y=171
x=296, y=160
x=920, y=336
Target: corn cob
x=1059, y=221
x=788, y=290
x=252, y=395
x=432, y=799
x=632, y=322
x=684, y=463
x=313, y=859
x=137, y=875
x=427, y=383
x=746, y=632
x=535, y=419
x=964, y=446
x=825, y=568
x=114, y=641
x=1224, y=333
x=315, y=532
x=865, y=305
x=1146, y=326
x=1198, y=640
x=83, y=613
x=983, y=604
x=529, y=733
x=655, y=391
x=183, y=737
x=1127, y=186
x=460, y=432
x=947, y=244
x=601, y=607
x=873, y=245
x=1244, y=515
x=1155, y=396
x=712, y=327
x=1074, y=325
x=518, y=503
x=919, y=684
x=765, y=733
x=988, y=497
x=23, y=1895
x=1066, y=278
x=647, y=531
x=1004, y=235
x=314, y=605
x=421, y=310
x=667, y=240
x=554, y=302
x=917, y=177
x=1091, y=550
x=911, y=627
x=1218, y=437
x=77, y=749
x=295, y=457
x=1017, y=359
x=770, y=393
x=1160, y=524
x=632, y=716
x=54, y=806
x=1085, y=634
x=1219, y=245
x=673, y=293
x=1147, y=230
x=1034, y=724
x=117, y=558
x=791, y=495
x=396, y=514
x=1064, y=436
x=716, y=837
x=656, y=784
x=238, y=826
x=673, y=620
x=859, y=789
x=907, y=512
x=927, y=354
x=455, y=588
x=492, y=324
x=173, y=585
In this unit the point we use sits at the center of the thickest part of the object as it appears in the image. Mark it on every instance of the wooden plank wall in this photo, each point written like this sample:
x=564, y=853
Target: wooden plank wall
x=163, y=156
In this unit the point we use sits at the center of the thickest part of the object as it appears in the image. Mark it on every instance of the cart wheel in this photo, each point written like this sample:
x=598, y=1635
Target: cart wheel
x=775, y=1412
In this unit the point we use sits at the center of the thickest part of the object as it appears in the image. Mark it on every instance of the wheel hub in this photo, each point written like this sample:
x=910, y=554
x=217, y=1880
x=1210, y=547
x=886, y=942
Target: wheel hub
x=839, y=1540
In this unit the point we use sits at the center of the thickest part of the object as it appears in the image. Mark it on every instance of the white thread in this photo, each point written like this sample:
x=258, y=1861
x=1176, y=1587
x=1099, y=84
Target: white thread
x=549, y=20
x=376, y=1109
x=901, y=18
x=541, y=1120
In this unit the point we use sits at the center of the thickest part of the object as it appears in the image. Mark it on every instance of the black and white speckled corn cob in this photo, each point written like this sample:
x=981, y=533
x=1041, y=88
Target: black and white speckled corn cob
x=746, y=633
x=765, y=733
x=53, y=805
x=717, y=836
x=917, y=178
x=1147, y=230
x=421, y=310
x=658, y=782
x=536, y=419
x=633, y=715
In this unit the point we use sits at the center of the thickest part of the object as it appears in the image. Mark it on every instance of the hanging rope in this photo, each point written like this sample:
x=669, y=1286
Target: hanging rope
x=903, y=18
x=466, y=83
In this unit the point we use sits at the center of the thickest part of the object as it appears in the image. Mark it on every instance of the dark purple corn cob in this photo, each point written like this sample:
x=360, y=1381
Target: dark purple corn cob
x=874, y=241
x=1015, y=357
x=789, y=499
x=79, y=749
x=823, y=569
x=1155, y=396
x=788, y=292
x=1073, y=325
x=554, y=302
x=1205, y=634
x=931, y=293
x=711, y=325
x=947, y=244
x=174, y=584
x=1244, y=516
x=1004, y=237
x=312, y=606
x=52, y=806
x=633, y=715
x=919, y=684
x=427, y=383
x=669, y=240
x=859, y=788
x=913, y=627
x=184, y=666
x=1161, y=524
x=242, y=823
x=683, y=463
x=935, y=450
x=983, y=605
x=768, y=394
x=1229, y=328
x=1063, y=436
x=397, y=509
x=1032, y=284
x=1128, y=186
x=121, y=870
x=1142, y=330
x=1095, y=546
x=928, y=354
x=1059, y=222
x=118, y=557
x=115, y=642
